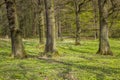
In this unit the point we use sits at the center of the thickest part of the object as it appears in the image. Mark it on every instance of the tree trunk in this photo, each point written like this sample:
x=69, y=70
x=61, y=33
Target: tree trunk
x=95, y=7
x=78, y=30
x=16, y=39
x=58, y=24
x=104, y=46
x=41, y=28
x=60, y=31
x=50, y=46
x=41, y=22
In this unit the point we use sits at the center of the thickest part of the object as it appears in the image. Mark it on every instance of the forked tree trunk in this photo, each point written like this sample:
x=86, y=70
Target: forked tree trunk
x=50, y=46
x=16, y=39
x=104, y=46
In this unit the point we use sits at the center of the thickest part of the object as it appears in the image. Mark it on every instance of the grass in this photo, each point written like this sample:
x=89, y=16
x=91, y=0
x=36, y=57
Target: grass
x=75, y=62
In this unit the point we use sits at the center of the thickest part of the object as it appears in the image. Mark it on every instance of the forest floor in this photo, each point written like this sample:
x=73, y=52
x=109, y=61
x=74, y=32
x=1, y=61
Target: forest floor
x=74, y=62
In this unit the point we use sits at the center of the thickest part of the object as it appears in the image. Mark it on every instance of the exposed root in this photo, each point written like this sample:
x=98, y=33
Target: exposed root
x=109, y=52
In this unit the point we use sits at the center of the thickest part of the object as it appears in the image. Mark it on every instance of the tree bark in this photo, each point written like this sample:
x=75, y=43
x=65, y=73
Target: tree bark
x=78, y=30
x=104, y=46
x=58, y=24
x=50, y=46
x=41, y=28
x=60, y=31
x=95, y=8
x=41, y=22
x=16, y=39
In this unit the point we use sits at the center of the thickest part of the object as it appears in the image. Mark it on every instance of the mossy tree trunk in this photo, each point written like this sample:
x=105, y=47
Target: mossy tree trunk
x=104, y=46
x=16, y=39
x=50, y=46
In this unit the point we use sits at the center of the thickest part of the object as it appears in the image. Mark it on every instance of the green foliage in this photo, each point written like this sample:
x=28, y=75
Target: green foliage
x=115, y=31
x=75, y=62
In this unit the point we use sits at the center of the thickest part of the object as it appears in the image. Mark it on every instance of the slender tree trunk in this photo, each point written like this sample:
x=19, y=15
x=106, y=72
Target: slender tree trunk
x=78, y=30
x=60, y=31
x=41, y=22
x=104, y=46
x=59, y=27
x=56, y=24
x=41, y=28
x=16, y=39
x=95, y=7
x=34, y=26
x=50, y=46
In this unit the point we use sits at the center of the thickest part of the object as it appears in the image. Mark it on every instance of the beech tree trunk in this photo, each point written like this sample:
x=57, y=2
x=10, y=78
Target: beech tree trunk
x=16, y=39
x=104, y=46
x=50, y=46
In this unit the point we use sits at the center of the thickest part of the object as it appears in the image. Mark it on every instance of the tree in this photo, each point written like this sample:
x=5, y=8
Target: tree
x=104, y=46
x=41, y=21
x=78, y=5
x=50, y=46
x=95, y=9
x=58, y=16
x=77, y=20
x=16, y=39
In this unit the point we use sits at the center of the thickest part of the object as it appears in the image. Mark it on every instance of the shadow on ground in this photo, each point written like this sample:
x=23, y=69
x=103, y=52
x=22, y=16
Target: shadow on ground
x=91, y=69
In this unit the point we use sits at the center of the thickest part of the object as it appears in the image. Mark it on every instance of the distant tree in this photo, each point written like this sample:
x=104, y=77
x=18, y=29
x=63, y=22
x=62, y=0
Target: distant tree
x=58, y=23
x=77, y=20
x=95, y=10
x=41, y=21
x=16, y=39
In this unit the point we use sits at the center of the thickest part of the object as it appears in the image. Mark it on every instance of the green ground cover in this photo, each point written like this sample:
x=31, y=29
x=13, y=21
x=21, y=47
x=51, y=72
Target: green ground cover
x=74, y=62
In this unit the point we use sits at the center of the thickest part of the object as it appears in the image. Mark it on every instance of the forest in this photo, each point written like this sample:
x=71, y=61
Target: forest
x=59, y=39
